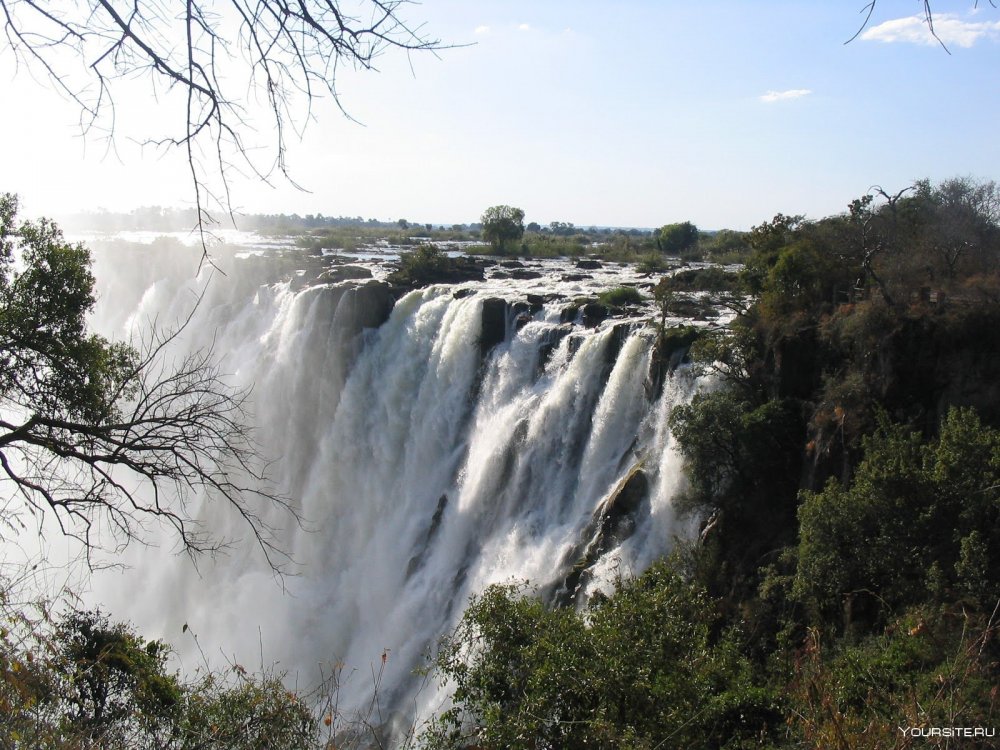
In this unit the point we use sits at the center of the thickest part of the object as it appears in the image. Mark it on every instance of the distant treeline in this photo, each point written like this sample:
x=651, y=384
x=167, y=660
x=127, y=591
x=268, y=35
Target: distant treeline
x=160, y=219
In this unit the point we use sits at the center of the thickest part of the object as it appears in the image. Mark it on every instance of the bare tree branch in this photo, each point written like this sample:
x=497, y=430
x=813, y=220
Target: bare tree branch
x=869, y=9
x=286, y=51
x=106, y=437
x=184, y=435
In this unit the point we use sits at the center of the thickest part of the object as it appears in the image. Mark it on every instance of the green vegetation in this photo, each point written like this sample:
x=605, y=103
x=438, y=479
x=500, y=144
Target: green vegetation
x=502, y=225
x=621, y=296
x=428, y=264
x=82, y=681
x=846, y=578
x=677, y=239
x=653, y=664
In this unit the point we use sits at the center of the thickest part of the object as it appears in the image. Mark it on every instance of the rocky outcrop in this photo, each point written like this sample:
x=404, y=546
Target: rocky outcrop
x=613, y=522
x=593, y=314
x=670, y=351
x=369, y=305
x=494, y=327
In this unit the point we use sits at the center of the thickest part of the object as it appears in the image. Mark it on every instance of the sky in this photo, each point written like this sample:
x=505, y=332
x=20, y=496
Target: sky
x=633, y=113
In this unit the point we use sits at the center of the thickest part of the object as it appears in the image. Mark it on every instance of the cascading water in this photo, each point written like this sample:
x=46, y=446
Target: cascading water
x=425, y=462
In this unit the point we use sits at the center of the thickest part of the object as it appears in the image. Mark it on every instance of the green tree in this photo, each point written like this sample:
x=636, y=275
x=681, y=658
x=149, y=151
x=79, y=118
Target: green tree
x=502, y=224
x=99, y=434
x=928, y=516
x=674, y=239
x=650, y=666
x=84, y=681
x=112, y=685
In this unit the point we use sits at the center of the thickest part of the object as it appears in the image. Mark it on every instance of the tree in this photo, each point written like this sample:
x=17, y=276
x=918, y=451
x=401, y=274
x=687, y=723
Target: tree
x=674, y=239
x=650, y=666
x=502, y=224
x=81, y=680
x=101, y=435
x=959, y=223
x=112, y=686
x=207, y=59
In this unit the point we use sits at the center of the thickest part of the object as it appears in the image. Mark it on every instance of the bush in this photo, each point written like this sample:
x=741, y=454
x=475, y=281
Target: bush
x=649, y=666
x=83, y=681
x=927, y=514
x=621, y=296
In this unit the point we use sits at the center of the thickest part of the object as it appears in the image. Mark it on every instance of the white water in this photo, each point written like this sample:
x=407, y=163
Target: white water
x=375, y=435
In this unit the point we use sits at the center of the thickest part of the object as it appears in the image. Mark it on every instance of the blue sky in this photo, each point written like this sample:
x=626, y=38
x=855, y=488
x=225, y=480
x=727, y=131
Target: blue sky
x=633, y=113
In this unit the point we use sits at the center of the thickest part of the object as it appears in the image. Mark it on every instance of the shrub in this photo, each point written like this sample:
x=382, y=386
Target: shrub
x=649, y=666
x=621, y=296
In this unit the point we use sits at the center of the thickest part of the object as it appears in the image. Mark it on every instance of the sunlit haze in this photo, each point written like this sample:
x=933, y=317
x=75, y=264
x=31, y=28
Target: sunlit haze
x=625, y=114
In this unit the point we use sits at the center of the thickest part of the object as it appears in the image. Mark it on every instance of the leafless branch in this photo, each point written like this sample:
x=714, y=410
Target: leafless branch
x=928, y=13
x=287, y=52
x=182, y=434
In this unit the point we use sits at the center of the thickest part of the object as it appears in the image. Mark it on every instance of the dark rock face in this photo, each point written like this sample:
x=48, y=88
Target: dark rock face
x=519, y=273
x=671, y=350
x=588, y=265
x=552, y=340
x=576, y=276
x=369, y=305
x=594, y=313
x=612, y=523
x=443, y=270
x=569, y=313
x=494, y=324
x=418, y=559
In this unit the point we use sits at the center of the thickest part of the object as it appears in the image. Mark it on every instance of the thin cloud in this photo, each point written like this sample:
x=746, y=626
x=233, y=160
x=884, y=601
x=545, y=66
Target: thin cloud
x=482, y=30
x=949, y=30
x=780, y=96
x=524, y=27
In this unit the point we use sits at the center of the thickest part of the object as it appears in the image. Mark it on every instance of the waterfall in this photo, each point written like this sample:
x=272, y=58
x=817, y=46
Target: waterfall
x=425, y=461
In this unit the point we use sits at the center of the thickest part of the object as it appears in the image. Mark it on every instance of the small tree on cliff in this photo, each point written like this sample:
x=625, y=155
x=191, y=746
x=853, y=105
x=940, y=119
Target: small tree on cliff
x=502, y=224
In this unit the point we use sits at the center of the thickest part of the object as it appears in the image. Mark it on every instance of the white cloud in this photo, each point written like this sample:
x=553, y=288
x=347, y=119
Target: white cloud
x=524, y=27
x=482, y=30
x=779, y=96
x=950, y=30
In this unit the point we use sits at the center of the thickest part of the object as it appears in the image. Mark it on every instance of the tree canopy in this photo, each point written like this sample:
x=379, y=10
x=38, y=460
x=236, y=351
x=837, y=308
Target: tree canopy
x=502, y=224
x=674, y=239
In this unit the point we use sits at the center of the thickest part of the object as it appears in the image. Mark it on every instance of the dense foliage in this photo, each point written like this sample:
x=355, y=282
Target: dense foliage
x=80, y=681
x=501, y=226
x=845, y=584
x=653, y=664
